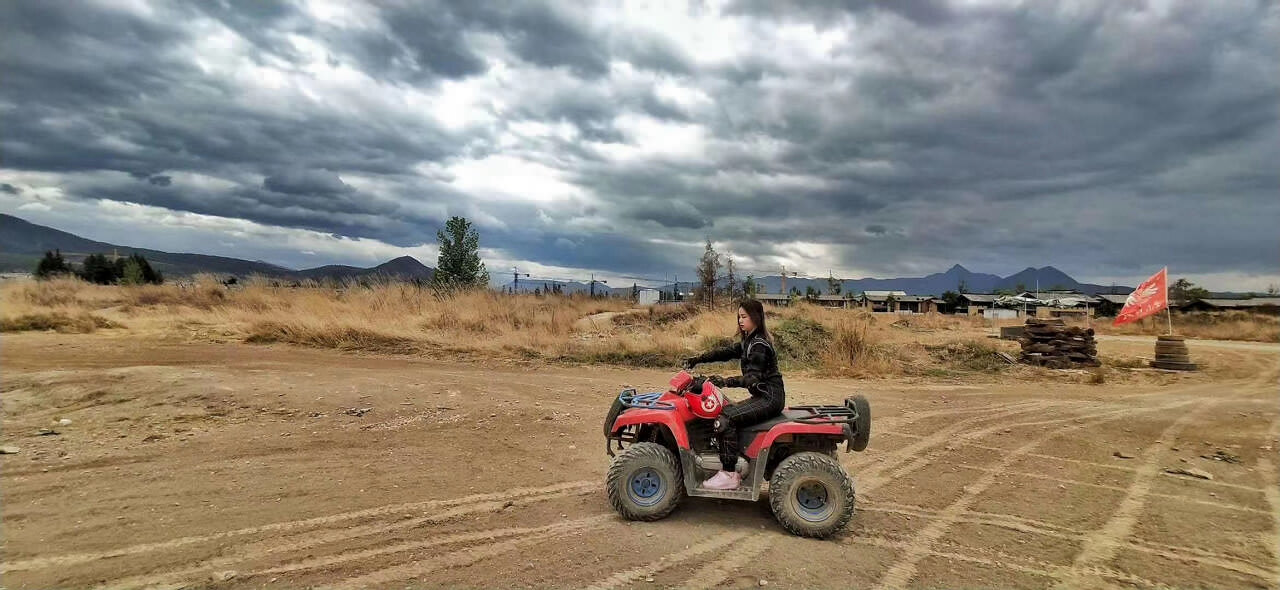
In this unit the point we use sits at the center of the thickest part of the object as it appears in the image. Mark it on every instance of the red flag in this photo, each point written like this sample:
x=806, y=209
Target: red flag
x=1150, y=297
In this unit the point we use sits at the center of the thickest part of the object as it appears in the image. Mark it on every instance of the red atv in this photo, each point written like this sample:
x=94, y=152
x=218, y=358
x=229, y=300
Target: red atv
x=668, y=450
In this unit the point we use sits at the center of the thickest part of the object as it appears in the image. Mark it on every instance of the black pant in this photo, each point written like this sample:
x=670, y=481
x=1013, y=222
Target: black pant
x=751, y=411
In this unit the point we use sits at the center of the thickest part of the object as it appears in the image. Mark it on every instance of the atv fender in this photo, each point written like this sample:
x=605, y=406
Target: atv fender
x=764, y=441
x=635, y=417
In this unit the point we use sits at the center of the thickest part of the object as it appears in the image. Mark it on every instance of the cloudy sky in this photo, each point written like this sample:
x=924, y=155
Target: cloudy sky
x=1105, y=138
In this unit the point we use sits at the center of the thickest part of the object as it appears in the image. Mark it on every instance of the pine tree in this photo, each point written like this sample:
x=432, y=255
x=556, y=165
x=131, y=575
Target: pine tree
x=52, y=265
x=97, y=269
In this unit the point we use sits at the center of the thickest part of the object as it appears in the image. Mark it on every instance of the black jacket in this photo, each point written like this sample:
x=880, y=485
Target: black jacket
x=760, y=375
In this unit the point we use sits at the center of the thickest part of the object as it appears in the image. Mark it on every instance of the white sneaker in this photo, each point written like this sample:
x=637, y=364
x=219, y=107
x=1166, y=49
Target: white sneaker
x=723, y=480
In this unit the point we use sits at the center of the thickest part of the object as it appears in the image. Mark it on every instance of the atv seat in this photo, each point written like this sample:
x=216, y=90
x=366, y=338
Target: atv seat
x=747, y=434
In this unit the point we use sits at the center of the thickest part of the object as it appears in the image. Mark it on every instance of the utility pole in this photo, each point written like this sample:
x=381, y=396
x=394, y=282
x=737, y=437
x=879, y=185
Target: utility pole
x=593, y=284
x=784, y=279
x=515, y=276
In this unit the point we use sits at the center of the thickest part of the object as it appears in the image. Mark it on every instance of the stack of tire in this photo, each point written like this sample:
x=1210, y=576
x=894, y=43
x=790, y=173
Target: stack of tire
x=1050, y=343
x=1172, y=354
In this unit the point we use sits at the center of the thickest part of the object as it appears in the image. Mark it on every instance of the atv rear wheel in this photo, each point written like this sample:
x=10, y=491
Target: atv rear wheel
x=644, y=482
x=811, y=495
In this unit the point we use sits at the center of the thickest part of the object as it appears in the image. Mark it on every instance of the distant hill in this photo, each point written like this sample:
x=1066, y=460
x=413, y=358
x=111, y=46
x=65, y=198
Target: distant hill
x=22, y=243
x=404, y=267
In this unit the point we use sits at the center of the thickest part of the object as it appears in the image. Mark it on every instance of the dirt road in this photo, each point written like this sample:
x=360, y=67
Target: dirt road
x=234, y=466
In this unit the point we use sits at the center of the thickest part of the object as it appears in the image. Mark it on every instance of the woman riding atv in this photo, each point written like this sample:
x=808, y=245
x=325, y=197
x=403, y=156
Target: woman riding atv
x=760, y=377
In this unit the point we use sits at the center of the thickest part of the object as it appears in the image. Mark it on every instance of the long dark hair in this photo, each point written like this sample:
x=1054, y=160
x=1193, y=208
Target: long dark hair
x=755, y=311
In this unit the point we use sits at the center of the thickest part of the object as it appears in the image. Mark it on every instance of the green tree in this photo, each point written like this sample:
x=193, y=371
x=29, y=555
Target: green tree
x=749, y=287
x=890, y=300
x=52, y=265
x=1184, y=291
x=98, y=270
x=810, y=292
x=951, y=300
x=708, y=271
x=459, y=264
x=132, y=273
x=135, y=270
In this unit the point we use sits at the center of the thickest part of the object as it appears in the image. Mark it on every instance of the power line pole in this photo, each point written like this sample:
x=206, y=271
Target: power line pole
x=593, y=284
x=515, y=276
x=784, y=279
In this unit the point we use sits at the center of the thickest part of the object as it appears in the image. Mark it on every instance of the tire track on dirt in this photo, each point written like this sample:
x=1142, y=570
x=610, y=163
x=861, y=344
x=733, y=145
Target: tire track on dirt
x=975, y=445
x=78, y=558
x=939, y=437
x=466, y=537
x=463, y=558
x=1272, y=492
x=716, y=572
x=904, y=569
x=1101, y=545
x=1037, y=527
x=633, y=575
x=273, y=546
x=1000, y=560
x=1115, y=488
x=871, y=479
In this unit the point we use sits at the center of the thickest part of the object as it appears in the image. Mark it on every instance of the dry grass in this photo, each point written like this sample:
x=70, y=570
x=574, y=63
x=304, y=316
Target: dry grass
x=401, y=318
x=1231, y=325
x=80, y=323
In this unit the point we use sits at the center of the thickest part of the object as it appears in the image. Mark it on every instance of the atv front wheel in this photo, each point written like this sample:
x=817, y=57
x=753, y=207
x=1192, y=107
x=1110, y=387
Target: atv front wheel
x=811, y=495
x=644, y=482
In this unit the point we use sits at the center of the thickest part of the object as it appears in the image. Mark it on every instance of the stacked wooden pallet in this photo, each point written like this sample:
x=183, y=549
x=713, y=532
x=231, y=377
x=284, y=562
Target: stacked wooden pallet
x=1050, y=343
x=1172, y=354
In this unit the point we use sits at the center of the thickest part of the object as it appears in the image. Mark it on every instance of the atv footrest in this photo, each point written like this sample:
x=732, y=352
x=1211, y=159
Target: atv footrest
x=743, y=493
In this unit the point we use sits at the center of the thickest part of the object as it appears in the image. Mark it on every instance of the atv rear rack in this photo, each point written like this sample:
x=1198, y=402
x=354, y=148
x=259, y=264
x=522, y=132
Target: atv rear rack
x=825, y=415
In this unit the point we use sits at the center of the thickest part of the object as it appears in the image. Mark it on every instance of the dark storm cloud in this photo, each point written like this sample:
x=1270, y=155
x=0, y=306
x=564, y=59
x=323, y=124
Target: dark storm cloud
x=301, y=182
x=10, y=189
x=667, y=213
x=921, y=133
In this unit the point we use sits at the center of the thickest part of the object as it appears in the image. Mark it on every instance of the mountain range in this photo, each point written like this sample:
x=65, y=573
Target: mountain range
x=22, y=243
